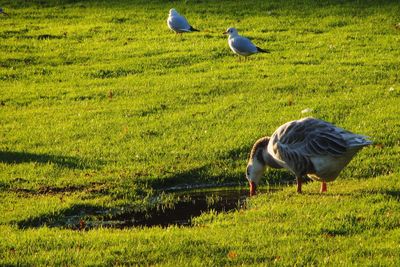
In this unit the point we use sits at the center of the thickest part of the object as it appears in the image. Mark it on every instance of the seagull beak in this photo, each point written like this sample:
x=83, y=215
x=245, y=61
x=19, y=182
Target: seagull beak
x=252, y=188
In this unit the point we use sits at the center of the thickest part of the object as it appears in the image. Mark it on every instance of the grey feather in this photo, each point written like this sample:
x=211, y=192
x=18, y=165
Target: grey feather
x=296, y=143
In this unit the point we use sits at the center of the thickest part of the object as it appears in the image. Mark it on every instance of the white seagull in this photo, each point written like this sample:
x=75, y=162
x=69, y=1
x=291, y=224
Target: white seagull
x=2, y=12
x=307, y=146
x=178, y=23
x=241, y=45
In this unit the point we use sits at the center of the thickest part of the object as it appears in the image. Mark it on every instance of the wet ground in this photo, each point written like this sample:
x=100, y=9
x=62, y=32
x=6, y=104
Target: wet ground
x=190, y=205
x=173, y=207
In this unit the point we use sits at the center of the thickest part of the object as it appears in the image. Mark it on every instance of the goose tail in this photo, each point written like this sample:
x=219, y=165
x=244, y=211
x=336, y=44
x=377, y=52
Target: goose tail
x=359, y=141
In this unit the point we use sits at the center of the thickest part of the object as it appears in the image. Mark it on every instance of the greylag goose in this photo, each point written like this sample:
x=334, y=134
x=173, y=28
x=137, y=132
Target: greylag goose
x=241, y=45
x=308, y=146
x=178, y=23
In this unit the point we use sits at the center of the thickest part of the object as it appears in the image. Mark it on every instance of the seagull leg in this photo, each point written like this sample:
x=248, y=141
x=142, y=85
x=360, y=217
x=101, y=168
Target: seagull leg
x=298, y=180
x=323, y=187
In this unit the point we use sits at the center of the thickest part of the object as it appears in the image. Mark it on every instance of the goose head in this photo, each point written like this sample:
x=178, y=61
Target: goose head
x=256, y=164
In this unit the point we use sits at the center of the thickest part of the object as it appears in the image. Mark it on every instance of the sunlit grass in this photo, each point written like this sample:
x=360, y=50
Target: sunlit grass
x=101, y=106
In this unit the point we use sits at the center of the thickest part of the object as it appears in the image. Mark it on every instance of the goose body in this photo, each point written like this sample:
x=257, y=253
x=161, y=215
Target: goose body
x=309, y=146
x=178, y=23
x=241, y=45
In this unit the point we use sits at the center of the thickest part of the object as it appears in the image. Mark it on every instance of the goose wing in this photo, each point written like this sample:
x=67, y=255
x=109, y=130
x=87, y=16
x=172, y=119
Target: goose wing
x=294, y=143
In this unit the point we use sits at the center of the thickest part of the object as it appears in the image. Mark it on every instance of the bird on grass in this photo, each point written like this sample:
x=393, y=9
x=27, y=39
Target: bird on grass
x=241, y=45
x=308, y=146
x=2, y=12
x=178, y=23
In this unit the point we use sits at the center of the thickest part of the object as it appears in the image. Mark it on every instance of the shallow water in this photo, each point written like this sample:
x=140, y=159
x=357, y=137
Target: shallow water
x=189, y=205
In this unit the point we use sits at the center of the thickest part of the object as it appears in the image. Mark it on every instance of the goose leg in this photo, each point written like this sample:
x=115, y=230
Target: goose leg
x=323, y=187
x=298, y=180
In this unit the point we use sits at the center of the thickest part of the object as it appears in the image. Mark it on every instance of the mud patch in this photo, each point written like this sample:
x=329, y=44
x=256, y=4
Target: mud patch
x=188, y=206
x=180, y=210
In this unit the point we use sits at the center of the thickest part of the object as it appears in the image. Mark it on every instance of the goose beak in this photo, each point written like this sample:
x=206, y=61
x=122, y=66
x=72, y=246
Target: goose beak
x=252, y=188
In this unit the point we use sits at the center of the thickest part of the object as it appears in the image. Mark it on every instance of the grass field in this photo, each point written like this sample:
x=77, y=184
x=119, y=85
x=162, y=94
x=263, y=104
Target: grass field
x=102, y=106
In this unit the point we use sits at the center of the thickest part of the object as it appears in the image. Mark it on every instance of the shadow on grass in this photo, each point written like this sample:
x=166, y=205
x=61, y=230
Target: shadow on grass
x=157, y=212
x=71, y=217
x=237, y=153
x=10, y=157
x=257, y=6
x=195, y=176
x=205, y=177
x=392, y=193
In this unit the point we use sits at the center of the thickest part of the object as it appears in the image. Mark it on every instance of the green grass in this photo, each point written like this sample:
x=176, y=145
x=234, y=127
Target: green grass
x=101, y=106
x=356, y=223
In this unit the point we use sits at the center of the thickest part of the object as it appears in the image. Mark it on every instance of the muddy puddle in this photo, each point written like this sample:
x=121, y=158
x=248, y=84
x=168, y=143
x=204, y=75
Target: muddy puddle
x=188, y=206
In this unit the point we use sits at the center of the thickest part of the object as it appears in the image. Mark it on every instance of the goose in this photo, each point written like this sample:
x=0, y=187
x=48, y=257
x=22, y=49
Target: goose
x=178, y=23
x=241, y=45
x=308, y=146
